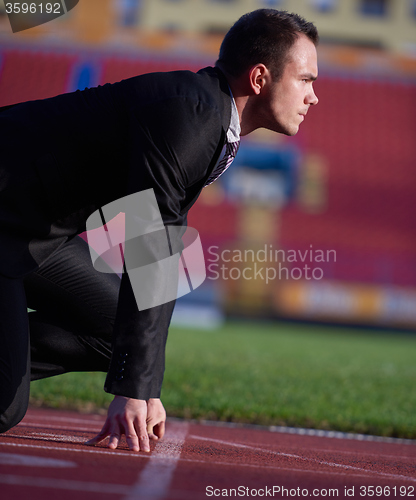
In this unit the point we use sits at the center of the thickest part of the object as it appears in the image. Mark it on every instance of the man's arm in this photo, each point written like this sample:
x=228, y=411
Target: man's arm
x=138, y=358
x=166, y=155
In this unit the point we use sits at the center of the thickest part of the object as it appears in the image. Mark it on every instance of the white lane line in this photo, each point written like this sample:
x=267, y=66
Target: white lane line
x=362, y=453
x=64, y=484
x=347, y=452
x=55, y=418
x=275, y=429
x=33, y=461
x=101, y=451
x=86, y=449
x=306, y=459
x=29, y=481
x=97, y=429
x=42, y=425
x=155, y=478
x=128, y=454
x=309, y=432
x=274, y=468
x=340, y=435
x=361, y=472
x=46, y=436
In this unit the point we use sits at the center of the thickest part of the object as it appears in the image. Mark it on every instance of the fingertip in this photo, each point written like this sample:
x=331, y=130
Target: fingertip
x=144, y=445
x=160, y=430
x=95, y=440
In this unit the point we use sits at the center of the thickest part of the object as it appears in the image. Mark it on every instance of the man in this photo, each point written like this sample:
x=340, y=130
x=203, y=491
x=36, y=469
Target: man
x=64, y=158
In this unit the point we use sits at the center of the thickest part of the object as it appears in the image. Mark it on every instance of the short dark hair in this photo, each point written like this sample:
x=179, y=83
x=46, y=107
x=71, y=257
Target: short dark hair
x=263, y=36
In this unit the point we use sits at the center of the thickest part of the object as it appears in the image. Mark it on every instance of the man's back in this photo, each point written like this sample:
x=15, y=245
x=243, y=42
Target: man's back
x=68, y=155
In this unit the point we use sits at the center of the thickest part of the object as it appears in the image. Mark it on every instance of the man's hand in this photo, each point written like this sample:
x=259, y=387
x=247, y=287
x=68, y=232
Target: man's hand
x=156, y=417
x=137, y=419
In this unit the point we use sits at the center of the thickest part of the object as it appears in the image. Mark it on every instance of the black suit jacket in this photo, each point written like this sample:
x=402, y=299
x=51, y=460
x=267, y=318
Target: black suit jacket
x=62, y=158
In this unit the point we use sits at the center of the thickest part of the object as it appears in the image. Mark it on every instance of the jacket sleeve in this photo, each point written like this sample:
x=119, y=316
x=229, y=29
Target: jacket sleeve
x=172, y=145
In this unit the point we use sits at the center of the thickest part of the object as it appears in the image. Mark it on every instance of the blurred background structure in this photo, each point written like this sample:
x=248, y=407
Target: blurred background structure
x=319, y=226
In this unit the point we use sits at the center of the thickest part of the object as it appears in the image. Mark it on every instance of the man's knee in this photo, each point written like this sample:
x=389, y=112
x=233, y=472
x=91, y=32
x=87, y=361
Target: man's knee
x=13, y=407
x=11, y=418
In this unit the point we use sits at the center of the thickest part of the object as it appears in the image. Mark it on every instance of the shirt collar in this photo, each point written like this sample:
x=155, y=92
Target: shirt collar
x=233, y=132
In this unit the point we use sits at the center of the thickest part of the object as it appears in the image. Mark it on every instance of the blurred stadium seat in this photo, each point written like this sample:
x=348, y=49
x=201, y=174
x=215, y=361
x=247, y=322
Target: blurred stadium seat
x=28, y=74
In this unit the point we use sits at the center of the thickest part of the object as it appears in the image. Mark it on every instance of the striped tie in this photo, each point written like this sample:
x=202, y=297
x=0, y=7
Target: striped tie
x=231, y=149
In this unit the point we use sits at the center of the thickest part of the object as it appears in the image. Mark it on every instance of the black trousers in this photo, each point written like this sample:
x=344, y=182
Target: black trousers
x=70, y=330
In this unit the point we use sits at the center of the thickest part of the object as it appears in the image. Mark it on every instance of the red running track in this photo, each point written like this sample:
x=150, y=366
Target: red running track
x=44, y=458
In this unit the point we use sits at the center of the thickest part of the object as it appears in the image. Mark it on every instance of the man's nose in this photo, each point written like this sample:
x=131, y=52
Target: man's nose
x=312, y=98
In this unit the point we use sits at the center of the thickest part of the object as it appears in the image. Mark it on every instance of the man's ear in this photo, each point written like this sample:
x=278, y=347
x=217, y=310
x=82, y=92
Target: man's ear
x=258, y=76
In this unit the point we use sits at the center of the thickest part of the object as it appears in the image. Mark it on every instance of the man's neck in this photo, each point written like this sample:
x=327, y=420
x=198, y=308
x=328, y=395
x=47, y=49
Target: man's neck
x=241, y=94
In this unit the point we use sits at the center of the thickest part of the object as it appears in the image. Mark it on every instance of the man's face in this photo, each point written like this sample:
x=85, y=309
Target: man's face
x=284, y=103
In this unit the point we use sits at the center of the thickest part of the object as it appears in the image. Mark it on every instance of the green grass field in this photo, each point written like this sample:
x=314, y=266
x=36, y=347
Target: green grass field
x=274, y=374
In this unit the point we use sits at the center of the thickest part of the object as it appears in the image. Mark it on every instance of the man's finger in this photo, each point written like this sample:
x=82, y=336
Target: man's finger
x=95, y=440
x=115, y=435
x=131, y=437
x=159, y=430
x=143, y=435
x=150, y=432
x=114, y=440
x=100, y=436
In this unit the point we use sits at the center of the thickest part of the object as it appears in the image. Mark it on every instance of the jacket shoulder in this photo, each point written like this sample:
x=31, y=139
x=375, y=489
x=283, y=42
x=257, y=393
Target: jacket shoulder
x=207, y=85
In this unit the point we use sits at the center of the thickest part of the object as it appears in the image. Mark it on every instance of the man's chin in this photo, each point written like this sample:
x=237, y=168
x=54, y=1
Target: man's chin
x=290, y=132
x=284, y=130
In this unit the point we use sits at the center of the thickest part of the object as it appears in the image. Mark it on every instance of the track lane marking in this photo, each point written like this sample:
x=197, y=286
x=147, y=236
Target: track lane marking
x=339, y=451
x=40, y=436
x=87, y=449
x=362, y=472
x=86, y=487
x=33, y=461
x=96, y=427
x=272, y=428
x=29, y=417
x=58, y=426
x=233, y=465
x=127, y=453
x=63, y=484
x=361, y=452
x=154, y=480
x=306, y=459
x=46, y=436
x=186, y=460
